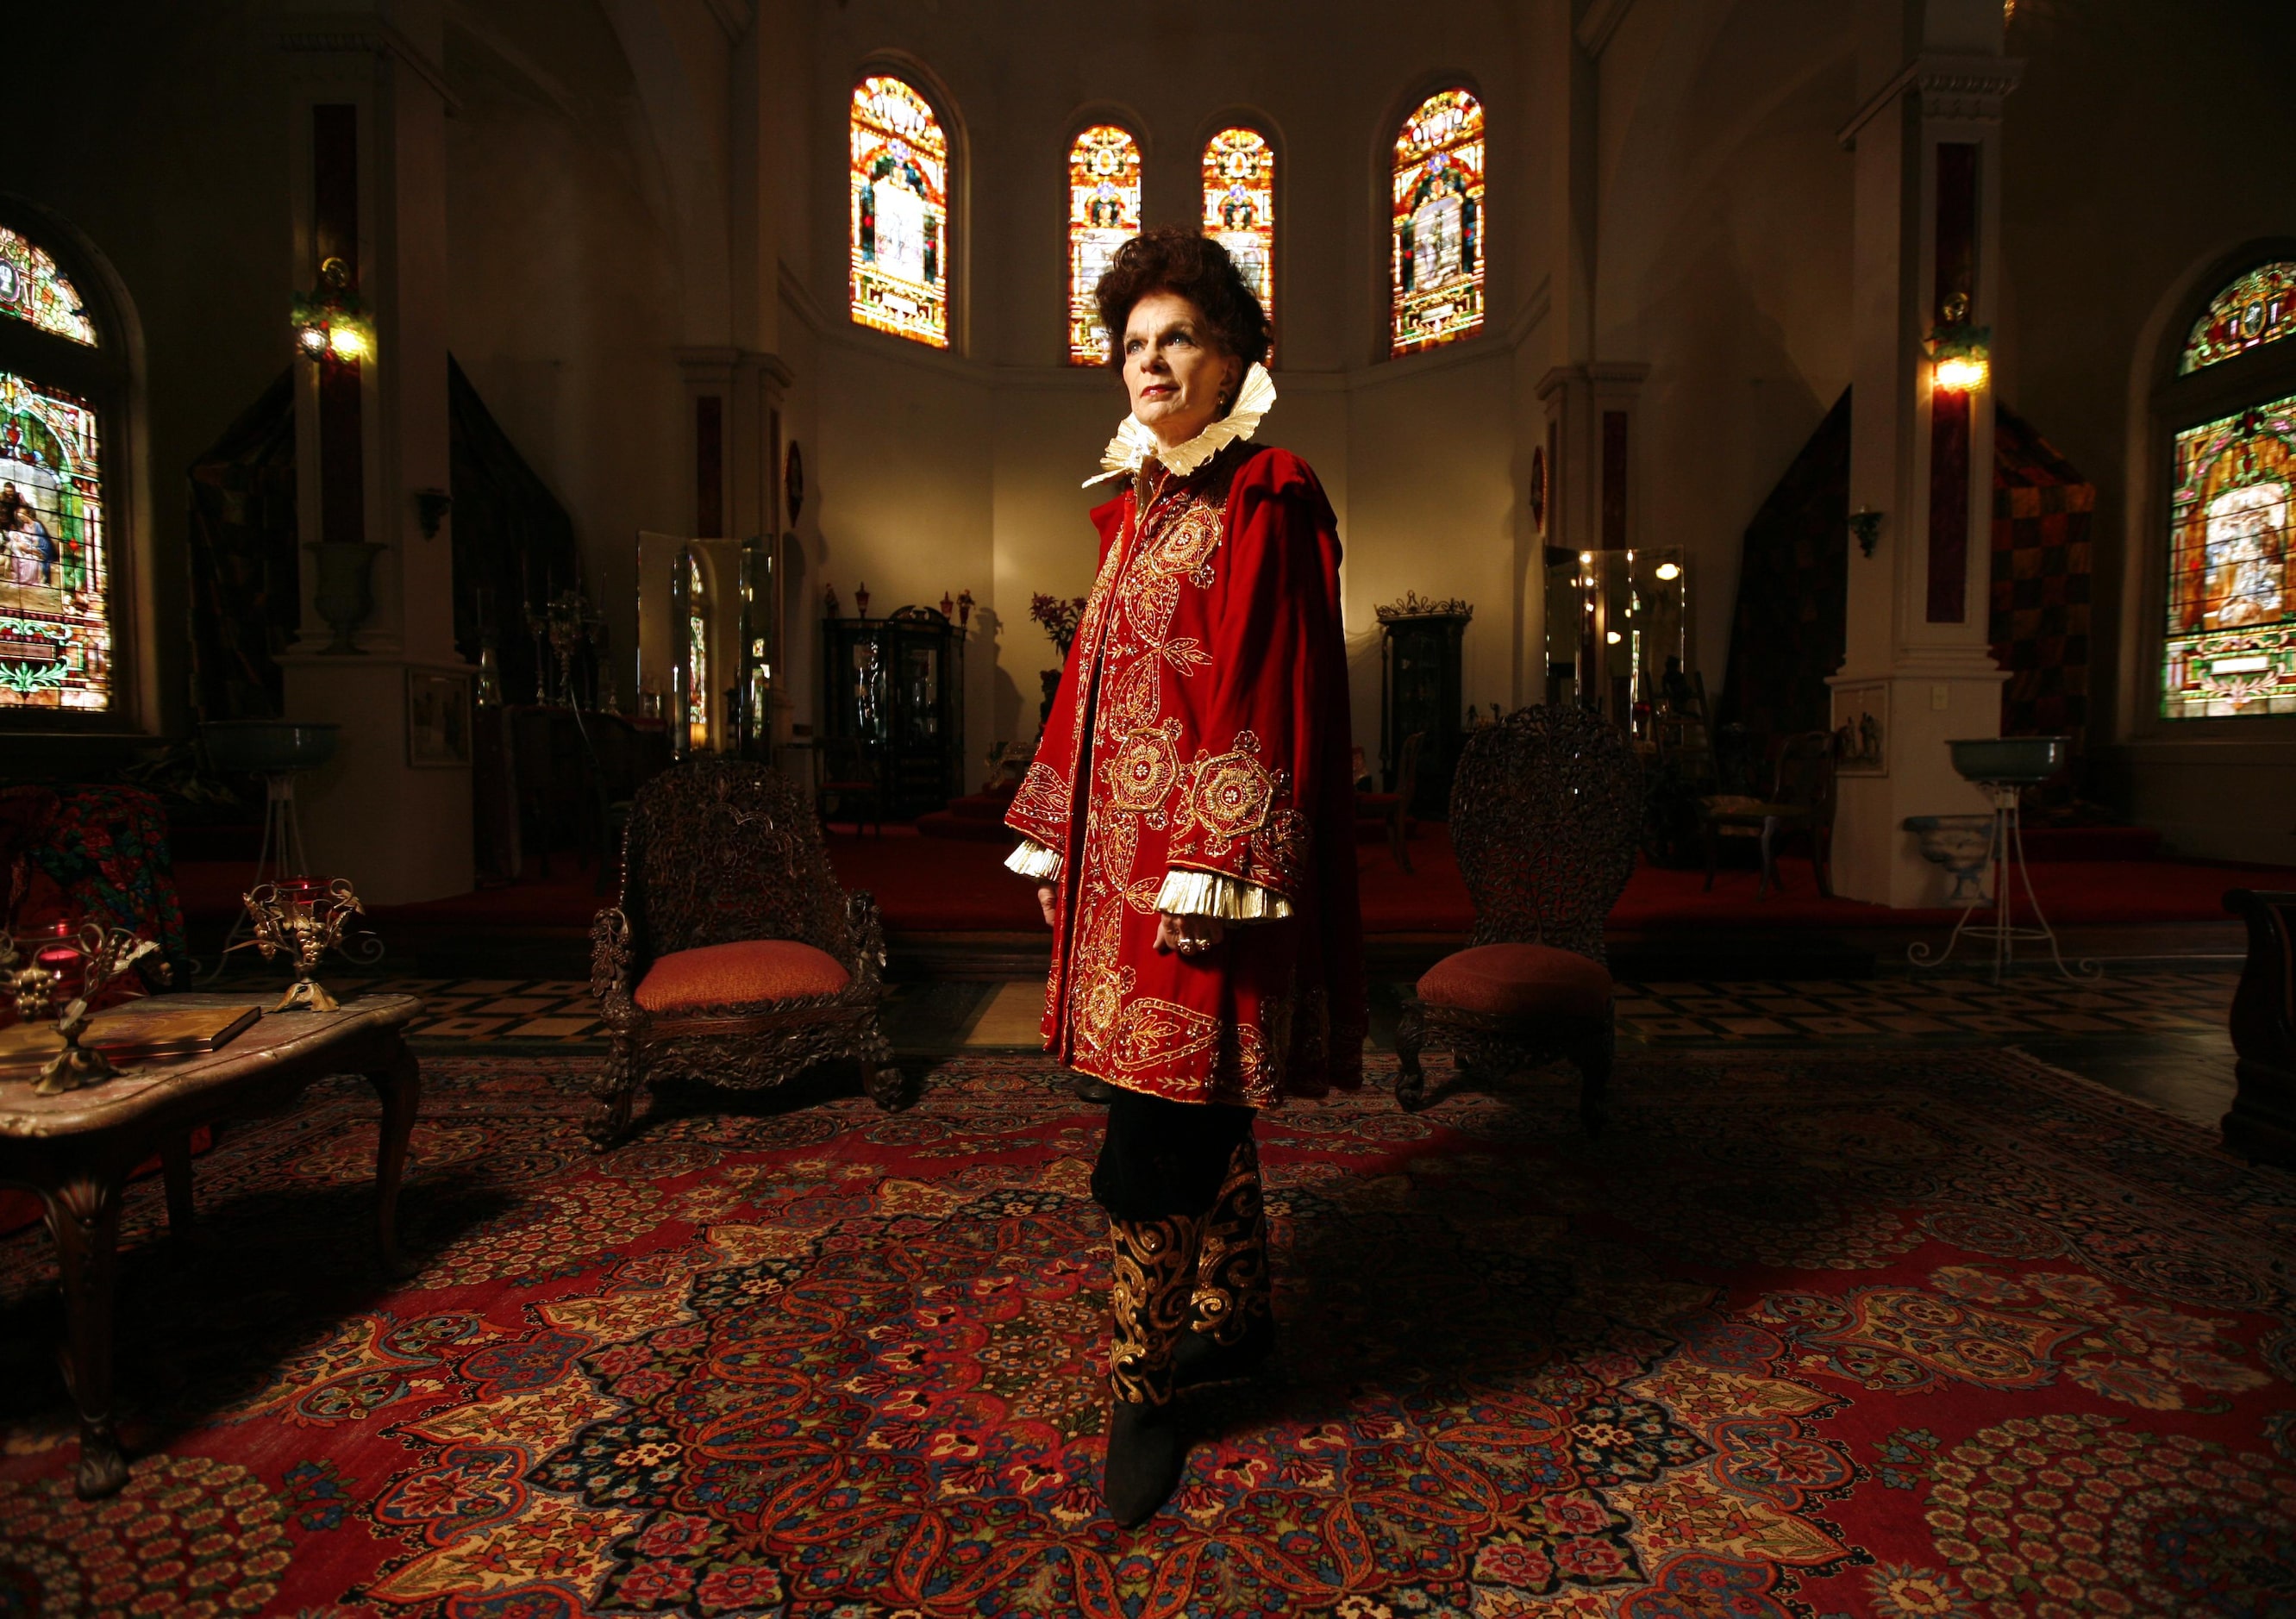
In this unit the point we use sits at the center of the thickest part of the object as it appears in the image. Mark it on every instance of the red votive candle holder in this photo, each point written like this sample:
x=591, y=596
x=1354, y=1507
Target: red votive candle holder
x=69, y=966
x=305, y=891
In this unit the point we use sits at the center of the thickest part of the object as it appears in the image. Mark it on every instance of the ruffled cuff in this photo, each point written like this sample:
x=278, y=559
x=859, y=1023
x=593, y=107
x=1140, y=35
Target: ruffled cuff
x=1209, y=893
x=1033, y=859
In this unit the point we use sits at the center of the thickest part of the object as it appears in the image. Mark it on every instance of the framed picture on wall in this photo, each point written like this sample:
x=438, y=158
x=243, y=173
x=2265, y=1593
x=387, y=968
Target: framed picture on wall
x=1861, y=729
x=438, y=719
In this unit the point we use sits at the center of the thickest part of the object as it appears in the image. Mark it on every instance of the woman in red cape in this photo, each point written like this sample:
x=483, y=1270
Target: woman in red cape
x=1189, y=820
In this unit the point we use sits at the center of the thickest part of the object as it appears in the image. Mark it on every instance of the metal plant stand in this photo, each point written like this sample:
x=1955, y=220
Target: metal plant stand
x=2009, y=868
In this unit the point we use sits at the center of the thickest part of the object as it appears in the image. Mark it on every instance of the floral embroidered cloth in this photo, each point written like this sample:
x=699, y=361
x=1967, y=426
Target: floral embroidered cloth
x=1202, y=727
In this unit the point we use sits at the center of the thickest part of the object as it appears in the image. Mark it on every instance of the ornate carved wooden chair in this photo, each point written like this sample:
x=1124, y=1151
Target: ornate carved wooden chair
x=1545, y=812
x=2262, y=1124
x=1800, y=799
x=733, y=958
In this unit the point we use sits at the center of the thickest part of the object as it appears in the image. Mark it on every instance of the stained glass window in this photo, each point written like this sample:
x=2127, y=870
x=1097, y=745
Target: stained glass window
x=2259, y=308
x=55, y=627
x=900, y=213
x=32, y=289
x=697, y=658
x=1240, y=206
x=1435, y=263
x=1103, y=214
x=2231, y=642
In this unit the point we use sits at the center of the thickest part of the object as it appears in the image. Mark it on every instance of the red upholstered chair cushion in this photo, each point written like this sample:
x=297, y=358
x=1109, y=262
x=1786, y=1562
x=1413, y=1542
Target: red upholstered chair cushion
x=737, y=975
x=1518, y=981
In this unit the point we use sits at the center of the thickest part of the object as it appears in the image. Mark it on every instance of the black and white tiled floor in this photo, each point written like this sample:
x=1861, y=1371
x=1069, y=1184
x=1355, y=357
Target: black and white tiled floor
x=947, y=1016
x=2159, y=1036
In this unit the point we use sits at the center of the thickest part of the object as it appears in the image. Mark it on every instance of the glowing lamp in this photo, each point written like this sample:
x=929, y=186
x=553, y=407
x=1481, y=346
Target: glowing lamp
x=329, y=323
x=1612, y=637
x=1960, y=354
x=1962, y=373
x=1668, y=571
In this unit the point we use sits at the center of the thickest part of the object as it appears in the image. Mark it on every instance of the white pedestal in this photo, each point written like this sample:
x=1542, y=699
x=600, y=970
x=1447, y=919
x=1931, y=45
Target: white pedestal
x=400, y=832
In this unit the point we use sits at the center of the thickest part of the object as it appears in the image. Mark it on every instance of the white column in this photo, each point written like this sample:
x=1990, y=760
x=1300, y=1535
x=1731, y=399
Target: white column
x=1916, y=657
x=392, y=813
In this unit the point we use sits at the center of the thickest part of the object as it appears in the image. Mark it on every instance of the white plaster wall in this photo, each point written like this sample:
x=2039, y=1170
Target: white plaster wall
x=565, y=289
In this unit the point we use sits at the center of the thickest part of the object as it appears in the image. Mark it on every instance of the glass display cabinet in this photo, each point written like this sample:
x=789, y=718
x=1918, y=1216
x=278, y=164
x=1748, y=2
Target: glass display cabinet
x=1618, y=625
x=894, y=688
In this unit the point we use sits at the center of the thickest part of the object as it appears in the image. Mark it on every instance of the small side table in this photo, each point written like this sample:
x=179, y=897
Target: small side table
x=78, y=1150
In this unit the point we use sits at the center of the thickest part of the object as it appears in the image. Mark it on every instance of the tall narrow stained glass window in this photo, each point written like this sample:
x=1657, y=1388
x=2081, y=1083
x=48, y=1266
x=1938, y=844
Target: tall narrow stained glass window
x=900, y=212
x=1240, y=206
x=56, y=630
x=2230, y=647
x=2257, y=308
x=1436, y=253
x=697, y=656
x=1103, y=214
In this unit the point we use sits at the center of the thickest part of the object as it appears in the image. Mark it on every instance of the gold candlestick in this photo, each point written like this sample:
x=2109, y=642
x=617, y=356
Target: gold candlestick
x=302, y=920
x=104, y=952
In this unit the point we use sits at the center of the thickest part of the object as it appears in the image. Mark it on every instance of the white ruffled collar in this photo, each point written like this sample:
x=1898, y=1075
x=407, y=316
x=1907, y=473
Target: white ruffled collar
x=1134, y=444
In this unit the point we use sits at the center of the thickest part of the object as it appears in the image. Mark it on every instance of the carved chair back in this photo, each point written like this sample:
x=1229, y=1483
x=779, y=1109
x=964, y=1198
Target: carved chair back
x=1805, y=775
x=1545, y=812
x=720, y=851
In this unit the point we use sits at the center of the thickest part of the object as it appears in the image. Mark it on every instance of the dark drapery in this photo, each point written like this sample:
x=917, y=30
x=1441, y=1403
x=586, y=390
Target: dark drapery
x=244, y=578
x=2039, y=628
x=514, y=542
x=1793, y=591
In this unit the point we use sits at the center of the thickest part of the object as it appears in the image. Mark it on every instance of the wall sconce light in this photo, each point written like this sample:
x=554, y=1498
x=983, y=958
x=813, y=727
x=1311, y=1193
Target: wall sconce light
x=1668, y=572
x=1865, y=523
x=430, y=509
x=1611, y=637
x=1960, y=354
x=332, y=322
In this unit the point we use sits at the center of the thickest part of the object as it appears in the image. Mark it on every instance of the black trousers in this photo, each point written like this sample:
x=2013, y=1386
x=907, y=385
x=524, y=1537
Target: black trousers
x=1162, y=1159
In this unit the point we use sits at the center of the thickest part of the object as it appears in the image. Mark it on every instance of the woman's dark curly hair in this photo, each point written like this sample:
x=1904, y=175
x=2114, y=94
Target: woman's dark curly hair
x=1174, y=258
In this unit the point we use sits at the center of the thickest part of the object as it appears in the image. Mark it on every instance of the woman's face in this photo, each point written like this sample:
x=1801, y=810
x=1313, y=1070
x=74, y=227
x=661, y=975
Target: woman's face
x=1175, y=370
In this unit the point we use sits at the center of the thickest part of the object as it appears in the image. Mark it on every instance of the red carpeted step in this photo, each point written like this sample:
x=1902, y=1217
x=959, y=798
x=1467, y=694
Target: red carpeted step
x=952, y=823
x=2054, y=843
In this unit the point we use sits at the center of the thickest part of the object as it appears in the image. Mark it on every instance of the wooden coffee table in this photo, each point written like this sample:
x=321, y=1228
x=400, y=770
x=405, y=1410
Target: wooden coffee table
x=78, y=1150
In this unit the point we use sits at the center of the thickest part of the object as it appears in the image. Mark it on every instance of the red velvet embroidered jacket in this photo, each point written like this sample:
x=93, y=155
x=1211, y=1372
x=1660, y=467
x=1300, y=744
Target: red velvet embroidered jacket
x=1202, y=725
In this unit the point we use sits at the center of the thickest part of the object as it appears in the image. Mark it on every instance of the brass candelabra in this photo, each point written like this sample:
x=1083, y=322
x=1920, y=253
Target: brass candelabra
x=303, y=921
x=103, y=954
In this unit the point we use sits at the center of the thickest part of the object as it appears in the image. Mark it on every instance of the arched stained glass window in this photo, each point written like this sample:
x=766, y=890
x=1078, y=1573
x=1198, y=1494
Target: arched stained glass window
x=32, y=289
x=900, y=212
x=1436, y=261
x=1103, y=214
x=2259, y=308
x=1240, y=206
x=2230, y=646
x=56, y=629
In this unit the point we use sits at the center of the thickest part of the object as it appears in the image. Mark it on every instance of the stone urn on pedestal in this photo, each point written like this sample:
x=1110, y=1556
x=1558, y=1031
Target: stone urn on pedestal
x=1963, y=845
x=344, y=594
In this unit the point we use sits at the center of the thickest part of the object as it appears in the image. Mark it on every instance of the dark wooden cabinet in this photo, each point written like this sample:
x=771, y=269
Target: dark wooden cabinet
x=896, y=686
x=1420, y=694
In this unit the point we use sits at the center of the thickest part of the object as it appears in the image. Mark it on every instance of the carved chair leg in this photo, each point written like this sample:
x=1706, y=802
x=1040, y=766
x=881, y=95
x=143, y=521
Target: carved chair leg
x=611, y=1093
x=1592, y=1057
x=1769, y=858
x=84, y=1218
x=1713, y=854
x=1397, y=836
x=1410, y=1079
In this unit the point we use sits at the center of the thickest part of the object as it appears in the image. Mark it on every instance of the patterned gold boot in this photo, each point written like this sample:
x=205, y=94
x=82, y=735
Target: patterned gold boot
x=1149, y=1303
x=1233, y=1329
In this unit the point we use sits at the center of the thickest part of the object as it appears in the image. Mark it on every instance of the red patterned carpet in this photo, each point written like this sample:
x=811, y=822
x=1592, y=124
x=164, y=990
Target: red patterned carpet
x=1890, y=1335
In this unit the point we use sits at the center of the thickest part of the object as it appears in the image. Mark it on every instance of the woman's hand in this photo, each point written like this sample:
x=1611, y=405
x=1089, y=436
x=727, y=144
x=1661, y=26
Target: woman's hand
x=1045, y=895
x=1191, y=936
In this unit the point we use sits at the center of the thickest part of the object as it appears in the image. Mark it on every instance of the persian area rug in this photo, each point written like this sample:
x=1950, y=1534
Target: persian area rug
x=1891, y=1335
